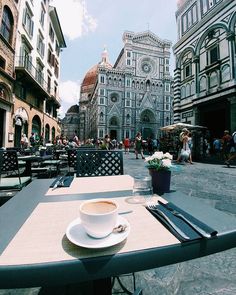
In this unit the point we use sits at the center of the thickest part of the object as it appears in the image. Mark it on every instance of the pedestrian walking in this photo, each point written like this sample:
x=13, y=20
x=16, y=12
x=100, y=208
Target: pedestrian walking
x=138, y=148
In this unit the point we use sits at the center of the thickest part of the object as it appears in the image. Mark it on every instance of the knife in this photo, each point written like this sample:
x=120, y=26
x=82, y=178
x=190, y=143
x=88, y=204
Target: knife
x=160, y=214
x=58, y=182
x=192, y=223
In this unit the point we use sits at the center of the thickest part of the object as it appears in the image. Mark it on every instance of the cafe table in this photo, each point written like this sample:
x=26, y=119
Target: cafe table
x=35, y=250
x=29, y=159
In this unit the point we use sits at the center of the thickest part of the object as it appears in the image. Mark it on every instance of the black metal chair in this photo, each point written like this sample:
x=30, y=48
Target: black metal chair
x=10, y=178
x=99, y=163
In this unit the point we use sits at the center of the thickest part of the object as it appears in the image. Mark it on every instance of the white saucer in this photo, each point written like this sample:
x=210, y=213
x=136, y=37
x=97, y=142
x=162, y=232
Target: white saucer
x=76, y=234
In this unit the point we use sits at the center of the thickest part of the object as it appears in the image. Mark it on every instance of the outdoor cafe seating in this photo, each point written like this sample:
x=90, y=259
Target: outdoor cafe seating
x=10, y=178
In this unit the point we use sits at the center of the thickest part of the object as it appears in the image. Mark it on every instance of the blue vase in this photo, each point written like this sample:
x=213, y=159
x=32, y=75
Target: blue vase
x=160, y=181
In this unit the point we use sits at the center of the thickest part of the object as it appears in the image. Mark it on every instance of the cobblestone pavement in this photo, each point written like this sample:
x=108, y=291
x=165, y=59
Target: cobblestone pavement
x=211, y=275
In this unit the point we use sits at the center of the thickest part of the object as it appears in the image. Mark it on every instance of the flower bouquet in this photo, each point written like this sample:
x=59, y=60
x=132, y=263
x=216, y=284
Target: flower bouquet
x=159, y=161
x=159, y=166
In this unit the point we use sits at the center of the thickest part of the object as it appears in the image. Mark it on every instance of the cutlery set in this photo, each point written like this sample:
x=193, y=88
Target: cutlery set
x=62, y=181
x=183, y=225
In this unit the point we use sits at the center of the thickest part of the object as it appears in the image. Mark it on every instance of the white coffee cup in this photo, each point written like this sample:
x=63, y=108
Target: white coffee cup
x=98, y=217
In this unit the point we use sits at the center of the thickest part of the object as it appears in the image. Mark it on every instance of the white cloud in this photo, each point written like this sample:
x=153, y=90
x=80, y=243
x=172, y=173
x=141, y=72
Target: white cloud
x=74, y=18
x=69, y=94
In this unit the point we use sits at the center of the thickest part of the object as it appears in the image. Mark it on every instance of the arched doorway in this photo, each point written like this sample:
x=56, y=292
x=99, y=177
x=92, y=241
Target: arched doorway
x=36, y=126
x=53, y=134
x=147, y=121
x=47, y=133
x=21, y=125
x=114, y=126
x=18, y=131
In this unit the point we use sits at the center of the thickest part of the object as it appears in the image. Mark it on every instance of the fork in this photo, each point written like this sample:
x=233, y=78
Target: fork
x=174, y=226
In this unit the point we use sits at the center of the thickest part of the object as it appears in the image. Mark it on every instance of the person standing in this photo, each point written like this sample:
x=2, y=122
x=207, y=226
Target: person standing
x=216, y=146
x=138, y=149
x=24, y=141
x=183, y=135
x=126, y=145
x=232, y=149
x=32, y=139
x=226, y=144
x=190, y=145
x=107, y=142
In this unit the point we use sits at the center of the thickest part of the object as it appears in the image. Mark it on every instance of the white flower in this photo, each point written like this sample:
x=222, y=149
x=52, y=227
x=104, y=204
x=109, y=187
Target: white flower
x=159, y=161
x=150, y=158
x=166, y=163
x=168, y=156
x=158, y=155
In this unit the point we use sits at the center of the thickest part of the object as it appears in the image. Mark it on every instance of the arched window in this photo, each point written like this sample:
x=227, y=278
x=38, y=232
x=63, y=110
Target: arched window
x=192, y=88
x=183, y=92
x=7, y=24
x=53, y=134
x=187, y=90
x=101, y=117
x=213, y=79
x=128, y=119
x=202, y=84
x=47, y=133
x=225, y=73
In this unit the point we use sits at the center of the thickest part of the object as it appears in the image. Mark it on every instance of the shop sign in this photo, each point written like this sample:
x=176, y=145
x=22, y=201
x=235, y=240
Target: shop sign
x=187, y=114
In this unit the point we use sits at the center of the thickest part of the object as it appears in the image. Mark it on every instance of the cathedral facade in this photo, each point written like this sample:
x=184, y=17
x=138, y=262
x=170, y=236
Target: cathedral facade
x=133, y=95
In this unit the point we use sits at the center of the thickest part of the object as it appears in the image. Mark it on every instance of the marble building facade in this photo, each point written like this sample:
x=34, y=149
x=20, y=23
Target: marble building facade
x=205, y=72
x=133, y=95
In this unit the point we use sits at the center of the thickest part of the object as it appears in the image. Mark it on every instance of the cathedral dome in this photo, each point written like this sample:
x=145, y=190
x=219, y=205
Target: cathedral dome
x=91, y=77
x=73, y=109
x=89, y=80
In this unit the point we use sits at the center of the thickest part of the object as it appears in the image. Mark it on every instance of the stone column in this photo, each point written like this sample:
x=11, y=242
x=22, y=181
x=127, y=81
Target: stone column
x=177, y=94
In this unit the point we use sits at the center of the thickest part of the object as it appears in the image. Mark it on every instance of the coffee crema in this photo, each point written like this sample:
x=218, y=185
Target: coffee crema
x=99, y=207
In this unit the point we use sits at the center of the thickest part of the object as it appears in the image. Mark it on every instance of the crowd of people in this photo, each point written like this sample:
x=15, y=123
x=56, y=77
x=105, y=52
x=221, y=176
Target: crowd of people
x=224, y=148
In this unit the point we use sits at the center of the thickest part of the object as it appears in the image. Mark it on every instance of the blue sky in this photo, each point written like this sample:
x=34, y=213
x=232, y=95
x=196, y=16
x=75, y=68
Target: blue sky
x=89, y=25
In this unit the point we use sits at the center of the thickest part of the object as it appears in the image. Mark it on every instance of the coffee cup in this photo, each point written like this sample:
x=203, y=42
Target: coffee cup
x=98, y=217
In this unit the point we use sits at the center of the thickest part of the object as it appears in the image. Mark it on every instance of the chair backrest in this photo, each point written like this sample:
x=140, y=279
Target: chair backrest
x=99, y=163
x=9, y=163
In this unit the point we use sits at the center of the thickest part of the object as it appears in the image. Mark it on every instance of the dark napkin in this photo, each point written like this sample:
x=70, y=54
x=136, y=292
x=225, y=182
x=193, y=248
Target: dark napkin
x=65, y=181
x=183, y=226
x=199, y=224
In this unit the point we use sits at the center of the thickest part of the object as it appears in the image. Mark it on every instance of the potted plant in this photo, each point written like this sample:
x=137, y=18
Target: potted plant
x=159, y=166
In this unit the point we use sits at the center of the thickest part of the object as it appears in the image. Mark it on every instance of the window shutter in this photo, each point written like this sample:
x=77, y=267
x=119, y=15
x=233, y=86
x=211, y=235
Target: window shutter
x=31, y=28
x=53, y=60
x=21, y=57
x=24, y=17
x=43, y=49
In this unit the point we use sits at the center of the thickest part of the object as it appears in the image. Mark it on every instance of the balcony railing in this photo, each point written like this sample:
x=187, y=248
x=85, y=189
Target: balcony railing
x=24, y=62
